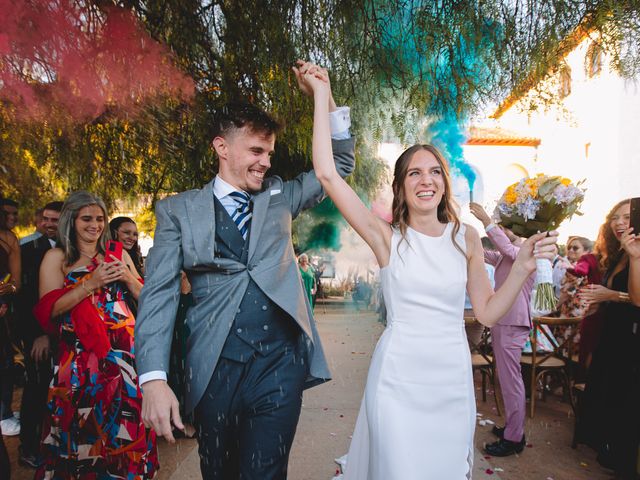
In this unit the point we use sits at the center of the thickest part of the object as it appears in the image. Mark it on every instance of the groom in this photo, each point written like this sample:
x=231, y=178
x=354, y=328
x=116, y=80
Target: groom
x=253, y=345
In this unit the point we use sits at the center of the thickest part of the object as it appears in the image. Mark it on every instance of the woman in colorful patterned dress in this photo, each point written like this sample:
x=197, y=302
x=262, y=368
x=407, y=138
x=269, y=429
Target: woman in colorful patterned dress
x=94, y=430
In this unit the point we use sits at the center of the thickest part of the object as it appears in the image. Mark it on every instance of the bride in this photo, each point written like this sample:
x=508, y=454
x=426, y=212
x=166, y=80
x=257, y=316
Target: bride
x=417, y=417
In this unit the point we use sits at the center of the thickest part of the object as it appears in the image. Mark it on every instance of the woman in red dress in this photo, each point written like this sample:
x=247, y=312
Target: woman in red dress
x=94, y=430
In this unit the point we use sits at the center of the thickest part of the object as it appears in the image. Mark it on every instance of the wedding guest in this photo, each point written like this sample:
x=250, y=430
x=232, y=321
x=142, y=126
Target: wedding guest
x=38, y=345
x=10, y=276
x=10, y=209
x=509, y=336
x=577, y=247
x=417, y=416
x=308, y=276
x=586, y=270
x=94, y=428
x=125, y=230
x=609, y=419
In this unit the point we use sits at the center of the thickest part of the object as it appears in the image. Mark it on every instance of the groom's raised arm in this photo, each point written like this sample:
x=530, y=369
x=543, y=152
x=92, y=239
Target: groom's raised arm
x=305, y=190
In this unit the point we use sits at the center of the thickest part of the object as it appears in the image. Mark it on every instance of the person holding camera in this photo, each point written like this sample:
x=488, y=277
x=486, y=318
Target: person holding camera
x=609, y=418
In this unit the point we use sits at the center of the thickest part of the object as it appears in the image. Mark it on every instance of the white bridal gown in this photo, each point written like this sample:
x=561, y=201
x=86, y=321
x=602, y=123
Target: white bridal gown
x=417, y=417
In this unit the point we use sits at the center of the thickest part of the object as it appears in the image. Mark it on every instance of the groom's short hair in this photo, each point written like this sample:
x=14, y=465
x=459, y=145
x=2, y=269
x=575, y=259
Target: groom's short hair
x=236, y=115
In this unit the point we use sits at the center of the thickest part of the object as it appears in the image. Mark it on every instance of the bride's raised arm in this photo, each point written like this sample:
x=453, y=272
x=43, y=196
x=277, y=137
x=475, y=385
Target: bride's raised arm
x=374, y=231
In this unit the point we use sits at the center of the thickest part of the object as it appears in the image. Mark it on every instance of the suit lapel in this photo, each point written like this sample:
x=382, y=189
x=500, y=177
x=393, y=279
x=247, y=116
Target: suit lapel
x=260, y=205
x=202, y=218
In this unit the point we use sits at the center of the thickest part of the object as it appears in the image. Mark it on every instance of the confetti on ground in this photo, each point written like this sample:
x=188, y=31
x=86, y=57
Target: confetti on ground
x=583, y=464
x=488, y=471
x=498, y=469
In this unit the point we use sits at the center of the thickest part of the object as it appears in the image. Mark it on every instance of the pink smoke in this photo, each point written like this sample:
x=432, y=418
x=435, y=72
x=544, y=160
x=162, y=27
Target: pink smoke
x=66, y=57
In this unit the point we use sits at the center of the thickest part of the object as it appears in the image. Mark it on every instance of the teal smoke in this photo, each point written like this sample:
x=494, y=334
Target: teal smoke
x=429, y=42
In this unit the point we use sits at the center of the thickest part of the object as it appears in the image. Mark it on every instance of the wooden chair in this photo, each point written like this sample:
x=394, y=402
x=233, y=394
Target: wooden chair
x=482, y=357
x=557, y=362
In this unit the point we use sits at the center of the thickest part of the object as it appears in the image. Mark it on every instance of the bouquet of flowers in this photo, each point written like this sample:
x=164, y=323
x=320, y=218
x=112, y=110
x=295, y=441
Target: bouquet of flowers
x=535, y=205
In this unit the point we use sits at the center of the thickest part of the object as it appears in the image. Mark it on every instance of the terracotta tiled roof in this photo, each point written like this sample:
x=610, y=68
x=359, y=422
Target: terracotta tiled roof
x=499, y=136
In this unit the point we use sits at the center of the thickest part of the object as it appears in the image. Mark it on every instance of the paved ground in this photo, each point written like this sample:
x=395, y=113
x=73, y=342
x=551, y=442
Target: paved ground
x=330, y=411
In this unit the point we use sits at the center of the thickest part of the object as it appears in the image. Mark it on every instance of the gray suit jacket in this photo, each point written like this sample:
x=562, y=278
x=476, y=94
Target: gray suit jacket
x=185, y=240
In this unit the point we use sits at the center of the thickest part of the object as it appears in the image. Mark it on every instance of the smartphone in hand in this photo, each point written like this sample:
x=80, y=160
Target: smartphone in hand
x=113, y=248
x=634, y=221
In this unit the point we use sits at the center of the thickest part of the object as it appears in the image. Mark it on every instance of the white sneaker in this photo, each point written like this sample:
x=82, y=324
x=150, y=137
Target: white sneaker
x=10, y=427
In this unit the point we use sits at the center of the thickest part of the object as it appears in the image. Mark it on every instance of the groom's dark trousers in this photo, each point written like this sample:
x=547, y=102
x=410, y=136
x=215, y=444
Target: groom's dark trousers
x=248, y=415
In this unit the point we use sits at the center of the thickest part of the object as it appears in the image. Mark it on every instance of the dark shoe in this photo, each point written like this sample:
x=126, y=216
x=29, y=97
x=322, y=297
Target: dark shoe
x=504, y=447
x=29, y=460
x=498, y=431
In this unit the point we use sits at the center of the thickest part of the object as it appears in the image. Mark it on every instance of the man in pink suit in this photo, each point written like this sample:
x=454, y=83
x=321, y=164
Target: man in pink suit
x=508, y=336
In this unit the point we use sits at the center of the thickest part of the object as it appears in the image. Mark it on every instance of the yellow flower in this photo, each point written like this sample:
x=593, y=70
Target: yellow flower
x=532, y=185
x=565, y=181
x=510, y=195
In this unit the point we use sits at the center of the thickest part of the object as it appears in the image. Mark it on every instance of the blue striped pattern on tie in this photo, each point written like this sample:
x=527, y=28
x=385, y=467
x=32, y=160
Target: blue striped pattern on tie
x=242, y=215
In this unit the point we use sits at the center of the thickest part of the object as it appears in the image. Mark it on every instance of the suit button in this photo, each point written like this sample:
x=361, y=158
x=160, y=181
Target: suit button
x=250, y=267
x=239, y=330
x=265, y=327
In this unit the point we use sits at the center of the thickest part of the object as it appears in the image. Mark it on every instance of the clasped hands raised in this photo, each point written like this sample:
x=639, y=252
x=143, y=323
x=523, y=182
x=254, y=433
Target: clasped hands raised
x=311, y=77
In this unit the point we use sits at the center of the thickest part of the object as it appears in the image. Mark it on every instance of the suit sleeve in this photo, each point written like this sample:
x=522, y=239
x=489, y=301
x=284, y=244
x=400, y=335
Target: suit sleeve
x=491, y=257
x=158, y=302
x=305, y=190
x=502, y=243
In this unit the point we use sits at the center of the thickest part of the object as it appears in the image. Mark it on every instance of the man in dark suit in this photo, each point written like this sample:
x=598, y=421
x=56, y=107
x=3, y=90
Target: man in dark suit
x=253, y=345
x=37, y=344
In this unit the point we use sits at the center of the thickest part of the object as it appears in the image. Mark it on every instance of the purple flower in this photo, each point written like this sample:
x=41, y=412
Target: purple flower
x=528, y=208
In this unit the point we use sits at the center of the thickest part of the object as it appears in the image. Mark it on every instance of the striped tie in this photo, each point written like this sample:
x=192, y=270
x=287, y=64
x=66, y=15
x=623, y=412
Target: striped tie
x=242, y=215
